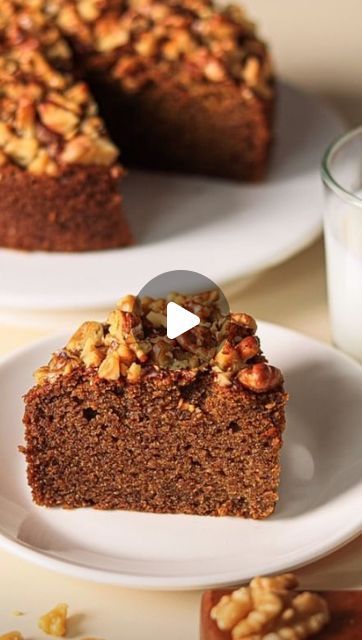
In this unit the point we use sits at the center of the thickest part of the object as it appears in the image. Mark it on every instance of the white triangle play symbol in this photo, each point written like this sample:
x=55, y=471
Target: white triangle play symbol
x=179, y=320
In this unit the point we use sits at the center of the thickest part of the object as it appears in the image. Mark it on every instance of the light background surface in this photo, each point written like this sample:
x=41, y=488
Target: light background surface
x=318, y=46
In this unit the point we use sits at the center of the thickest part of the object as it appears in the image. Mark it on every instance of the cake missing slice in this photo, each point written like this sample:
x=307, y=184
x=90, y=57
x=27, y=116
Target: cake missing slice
x=125, y=418
x=182, y=86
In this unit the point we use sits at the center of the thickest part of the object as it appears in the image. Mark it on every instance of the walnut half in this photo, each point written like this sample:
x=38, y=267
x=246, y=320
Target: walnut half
x=270, y=609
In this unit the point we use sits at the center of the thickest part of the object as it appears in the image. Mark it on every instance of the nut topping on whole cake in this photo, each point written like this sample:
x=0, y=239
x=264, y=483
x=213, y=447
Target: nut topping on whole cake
x=133, y=342
x=47, y=120
x=218, y=44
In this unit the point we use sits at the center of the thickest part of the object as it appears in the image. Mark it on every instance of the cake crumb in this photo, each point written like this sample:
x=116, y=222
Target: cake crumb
x=54, y=623
x=18, y=613
x=12, y=635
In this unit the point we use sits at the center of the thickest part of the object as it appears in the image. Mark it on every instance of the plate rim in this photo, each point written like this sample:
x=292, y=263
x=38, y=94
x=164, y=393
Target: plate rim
x=156, y=583
x=174, y=583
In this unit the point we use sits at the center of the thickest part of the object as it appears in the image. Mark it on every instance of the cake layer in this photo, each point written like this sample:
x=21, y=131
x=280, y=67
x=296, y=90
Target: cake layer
x=76, y=210
x=162, y=444
x=229, y=137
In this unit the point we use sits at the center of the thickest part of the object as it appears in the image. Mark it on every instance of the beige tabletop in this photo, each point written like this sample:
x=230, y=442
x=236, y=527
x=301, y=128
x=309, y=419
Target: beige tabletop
x=317, y=46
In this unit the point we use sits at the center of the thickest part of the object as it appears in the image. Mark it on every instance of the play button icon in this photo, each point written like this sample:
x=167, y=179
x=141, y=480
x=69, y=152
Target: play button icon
x=179, y=320
x=185, y=318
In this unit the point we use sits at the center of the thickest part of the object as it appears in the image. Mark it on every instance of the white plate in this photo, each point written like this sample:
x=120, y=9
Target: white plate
x=225, y=228
x=319, y=508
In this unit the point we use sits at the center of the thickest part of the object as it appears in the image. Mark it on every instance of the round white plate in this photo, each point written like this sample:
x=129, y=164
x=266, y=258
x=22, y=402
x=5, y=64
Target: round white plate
x=320, y=497
x=183, y=222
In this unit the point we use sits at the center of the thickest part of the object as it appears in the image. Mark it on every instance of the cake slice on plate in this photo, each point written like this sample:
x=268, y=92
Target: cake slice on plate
x=125, y=418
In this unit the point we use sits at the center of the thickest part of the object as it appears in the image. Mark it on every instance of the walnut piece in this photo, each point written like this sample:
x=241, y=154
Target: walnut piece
x=270, y=609
x=110, y=34
x=306, y=616
x=248, y=348
x=231, y=609
x=54, y=623
x=85, y=150
x=260, y=377
x=245, y=321
x=110, y=367
x=60, y=120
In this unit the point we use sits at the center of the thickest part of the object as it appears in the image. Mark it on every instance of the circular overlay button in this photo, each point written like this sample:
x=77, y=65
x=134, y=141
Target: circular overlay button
x=185, y=318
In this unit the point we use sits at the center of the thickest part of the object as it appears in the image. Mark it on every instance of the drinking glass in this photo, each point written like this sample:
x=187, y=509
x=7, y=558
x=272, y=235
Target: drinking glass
x=342, y=178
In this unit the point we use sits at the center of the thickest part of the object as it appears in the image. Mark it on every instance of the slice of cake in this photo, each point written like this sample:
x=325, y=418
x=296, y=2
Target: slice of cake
x=185, y=86
x=125, y=418
x=59, y=177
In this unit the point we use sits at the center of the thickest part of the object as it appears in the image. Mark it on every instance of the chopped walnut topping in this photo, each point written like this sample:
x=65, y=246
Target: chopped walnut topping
x=54, y=623
x=47, y=120
x=133, y=342
x=271, y=609
x=150, y=36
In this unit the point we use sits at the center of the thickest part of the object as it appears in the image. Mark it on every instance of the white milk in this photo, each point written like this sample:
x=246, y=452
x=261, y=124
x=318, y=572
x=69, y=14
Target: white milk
x=343, y=238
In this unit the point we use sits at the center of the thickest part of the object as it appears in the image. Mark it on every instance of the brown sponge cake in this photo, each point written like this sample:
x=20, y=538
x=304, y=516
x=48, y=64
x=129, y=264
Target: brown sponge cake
x=125, y=418
x=76, y=210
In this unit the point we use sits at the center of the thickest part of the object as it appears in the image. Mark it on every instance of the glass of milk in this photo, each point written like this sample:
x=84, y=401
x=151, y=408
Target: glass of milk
x=342, y=178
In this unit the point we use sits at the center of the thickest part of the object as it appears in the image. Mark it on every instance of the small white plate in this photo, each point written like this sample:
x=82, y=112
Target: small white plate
x=228, y=229
x=320, y=498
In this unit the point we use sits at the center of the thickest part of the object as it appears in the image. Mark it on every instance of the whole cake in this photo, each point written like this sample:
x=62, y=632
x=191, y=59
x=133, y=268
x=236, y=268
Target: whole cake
x=182, y=86
x=125, y=418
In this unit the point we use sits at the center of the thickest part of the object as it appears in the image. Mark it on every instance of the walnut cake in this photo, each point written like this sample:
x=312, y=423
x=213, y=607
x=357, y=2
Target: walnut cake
x=124, y=418
x=181, y=86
